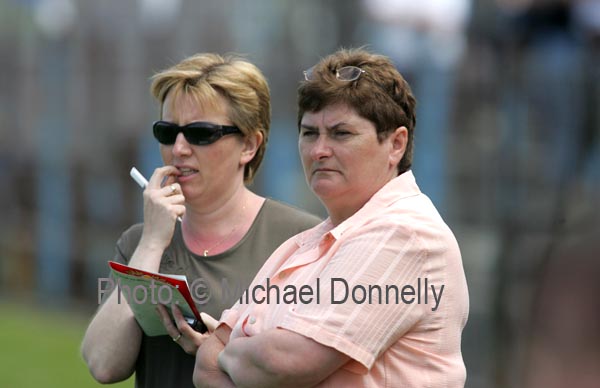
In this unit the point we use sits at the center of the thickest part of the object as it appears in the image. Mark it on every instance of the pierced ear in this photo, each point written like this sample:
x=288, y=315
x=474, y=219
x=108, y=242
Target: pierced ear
x=398, y=141
x=251, y=144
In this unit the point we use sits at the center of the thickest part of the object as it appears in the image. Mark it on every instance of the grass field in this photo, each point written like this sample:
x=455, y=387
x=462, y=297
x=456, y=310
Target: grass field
x=41, y=349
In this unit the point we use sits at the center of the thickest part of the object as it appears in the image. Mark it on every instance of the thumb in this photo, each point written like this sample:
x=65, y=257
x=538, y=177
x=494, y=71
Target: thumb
x=209, y=321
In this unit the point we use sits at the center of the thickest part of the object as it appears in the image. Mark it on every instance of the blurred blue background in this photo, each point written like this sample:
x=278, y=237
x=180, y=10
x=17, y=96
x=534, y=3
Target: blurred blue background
x=507, y=147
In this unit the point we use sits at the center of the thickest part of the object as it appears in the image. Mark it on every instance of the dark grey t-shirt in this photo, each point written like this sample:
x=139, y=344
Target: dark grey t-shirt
x=216, y=283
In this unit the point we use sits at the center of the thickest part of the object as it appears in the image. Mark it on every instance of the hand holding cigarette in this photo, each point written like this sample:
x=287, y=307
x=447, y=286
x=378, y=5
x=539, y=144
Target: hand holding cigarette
x=141, y=181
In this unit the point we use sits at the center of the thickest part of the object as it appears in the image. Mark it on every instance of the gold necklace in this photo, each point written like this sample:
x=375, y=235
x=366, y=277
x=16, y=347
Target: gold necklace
x=206, y=251
x=220, y=242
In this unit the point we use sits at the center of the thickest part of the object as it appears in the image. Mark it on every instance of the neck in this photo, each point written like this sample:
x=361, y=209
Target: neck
x=339, y=214
x=217, y=218
x=341, y=208
x=210, y=230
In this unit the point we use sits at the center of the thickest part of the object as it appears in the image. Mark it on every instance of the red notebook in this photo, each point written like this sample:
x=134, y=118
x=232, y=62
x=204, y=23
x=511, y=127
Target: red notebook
x=144, y=290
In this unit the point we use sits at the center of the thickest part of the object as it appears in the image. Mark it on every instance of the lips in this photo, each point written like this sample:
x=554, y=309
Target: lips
x=323, y=169
x=185, y=171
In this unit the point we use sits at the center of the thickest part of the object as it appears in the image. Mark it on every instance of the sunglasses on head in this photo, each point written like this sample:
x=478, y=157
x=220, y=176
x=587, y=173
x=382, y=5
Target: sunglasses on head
x=196, y=133
x=346, y=73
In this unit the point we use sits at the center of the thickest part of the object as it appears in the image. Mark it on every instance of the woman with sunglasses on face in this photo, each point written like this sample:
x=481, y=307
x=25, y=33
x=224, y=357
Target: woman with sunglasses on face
x=212, y=135
x=384, y=293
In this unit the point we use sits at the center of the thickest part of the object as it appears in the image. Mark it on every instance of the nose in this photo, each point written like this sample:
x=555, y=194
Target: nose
x=321, y=148
x=181, y=146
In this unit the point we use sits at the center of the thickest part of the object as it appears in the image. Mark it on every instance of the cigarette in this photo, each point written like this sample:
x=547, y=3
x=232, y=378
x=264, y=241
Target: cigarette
x=138, y=177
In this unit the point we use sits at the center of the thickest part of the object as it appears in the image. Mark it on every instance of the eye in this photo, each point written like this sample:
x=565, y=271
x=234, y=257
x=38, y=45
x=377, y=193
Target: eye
x=341, y=133
x=307, y=132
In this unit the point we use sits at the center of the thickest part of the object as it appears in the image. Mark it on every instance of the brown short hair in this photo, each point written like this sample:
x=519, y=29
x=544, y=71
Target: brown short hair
x=207, y=76
x=380, y=95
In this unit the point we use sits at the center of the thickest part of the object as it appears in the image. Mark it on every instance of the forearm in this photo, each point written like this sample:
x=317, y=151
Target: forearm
x=112, y=341
x=248, y=364
x=147, y=255
x=277, y=358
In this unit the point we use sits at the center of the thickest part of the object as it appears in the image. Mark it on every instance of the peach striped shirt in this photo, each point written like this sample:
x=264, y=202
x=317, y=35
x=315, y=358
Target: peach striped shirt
x=385, y=287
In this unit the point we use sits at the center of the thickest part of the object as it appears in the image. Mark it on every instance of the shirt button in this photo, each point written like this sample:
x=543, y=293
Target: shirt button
x=252, y=320
x=282, y=275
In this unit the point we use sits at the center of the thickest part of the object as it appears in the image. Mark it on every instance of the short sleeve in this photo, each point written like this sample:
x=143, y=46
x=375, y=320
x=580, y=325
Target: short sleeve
x=124, y=249
x=127, y=244
x=230, y=316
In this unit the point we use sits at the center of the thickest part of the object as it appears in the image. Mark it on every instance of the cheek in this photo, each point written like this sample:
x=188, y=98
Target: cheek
x=166, y=154
x=304, y=151
x=223, y=157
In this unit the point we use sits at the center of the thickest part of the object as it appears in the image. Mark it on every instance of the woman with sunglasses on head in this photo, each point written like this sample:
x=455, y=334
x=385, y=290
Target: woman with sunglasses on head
x=212, y=135
x=385, y=297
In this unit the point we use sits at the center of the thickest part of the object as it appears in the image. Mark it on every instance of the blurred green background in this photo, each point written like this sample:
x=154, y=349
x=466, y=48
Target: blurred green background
x=40, y=348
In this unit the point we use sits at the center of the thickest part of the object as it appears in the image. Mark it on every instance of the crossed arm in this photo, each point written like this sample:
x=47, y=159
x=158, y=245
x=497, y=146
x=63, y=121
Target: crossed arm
x=273, y=358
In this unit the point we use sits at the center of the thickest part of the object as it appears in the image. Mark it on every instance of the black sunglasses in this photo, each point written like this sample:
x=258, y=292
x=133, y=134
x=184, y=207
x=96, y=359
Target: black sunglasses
x=196, y=133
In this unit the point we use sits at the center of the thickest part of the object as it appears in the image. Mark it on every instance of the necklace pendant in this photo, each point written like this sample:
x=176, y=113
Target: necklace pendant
x=205, y=252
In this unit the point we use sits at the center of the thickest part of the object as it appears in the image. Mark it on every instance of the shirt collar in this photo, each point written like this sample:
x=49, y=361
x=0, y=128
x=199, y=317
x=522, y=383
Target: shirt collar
x=402, y=186
x=314, y=234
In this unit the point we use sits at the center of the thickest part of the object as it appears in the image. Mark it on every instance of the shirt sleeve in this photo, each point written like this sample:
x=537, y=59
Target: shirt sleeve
x=127, y=244
x=230, y=316
x=361, y=312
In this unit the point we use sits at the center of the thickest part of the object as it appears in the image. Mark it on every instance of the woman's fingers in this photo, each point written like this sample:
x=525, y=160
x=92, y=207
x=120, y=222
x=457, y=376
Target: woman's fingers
x=190, y=339
x=209, y=321
x=162, y=176
x=180, y=321
x=168, y=197
x=223, y=333
x=168, y=323
x=171, y=190
x=171, y=178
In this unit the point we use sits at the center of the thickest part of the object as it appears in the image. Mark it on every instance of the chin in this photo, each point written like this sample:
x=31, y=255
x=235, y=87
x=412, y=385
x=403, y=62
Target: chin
x=325, y=190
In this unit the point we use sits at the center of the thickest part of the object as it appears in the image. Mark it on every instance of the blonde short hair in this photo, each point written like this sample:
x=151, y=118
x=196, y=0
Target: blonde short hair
x=207, y=76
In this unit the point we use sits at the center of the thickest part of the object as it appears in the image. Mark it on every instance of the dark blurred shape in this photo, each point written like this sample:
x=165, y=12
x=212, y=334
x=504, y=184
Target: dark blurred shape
x=564, y=348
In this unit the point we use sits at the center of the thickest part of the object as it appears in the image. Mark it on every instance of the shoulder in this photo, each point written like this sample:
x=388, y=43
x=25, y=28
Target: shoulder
x=280, y=214
x=417, y=223
x=133, y=232
x=411, y=221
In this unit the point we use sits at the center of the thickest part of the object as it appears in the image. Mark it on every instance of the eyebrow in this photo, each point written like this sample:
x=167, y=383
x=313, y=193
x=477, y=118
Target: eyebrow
x=313, y=128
